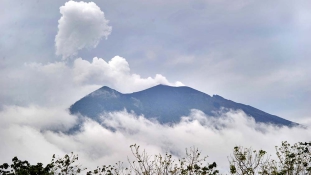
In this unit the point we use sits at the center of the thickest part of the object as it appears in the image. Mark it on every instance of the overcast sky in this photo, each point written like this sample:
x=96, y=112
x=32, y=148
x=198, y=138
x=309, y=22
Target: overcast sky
x=52, y=53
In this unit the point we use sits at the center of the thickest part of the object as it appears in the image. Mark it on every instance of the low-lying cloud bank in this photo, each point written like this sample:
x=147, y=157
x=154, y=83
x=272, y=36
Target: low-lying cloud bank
x=37, y=140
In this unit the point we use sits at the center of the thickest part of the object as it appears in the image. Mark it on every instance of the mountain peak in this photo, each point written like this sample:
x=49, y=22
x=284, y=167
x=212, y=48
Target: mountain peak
x=106, y=88
x=105, y=92
x=218, y=96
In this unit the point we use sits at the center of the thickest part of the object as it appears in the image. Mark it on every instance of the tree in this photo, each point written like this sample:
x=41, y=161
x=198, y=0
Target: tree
x=144, y=164
x=292, y=160
x=60, y=166
x=19, y=167
x=66, y=165
x=247, y=161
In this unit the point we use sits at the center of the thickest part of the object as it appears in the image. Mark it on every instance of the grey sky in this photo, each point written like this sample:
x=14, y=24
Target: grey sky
x=252, y=52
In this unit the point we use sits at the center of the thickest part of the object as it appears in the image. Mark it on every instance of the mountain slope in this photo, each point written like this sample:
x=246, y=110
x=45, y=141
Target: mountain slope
x=165, y=103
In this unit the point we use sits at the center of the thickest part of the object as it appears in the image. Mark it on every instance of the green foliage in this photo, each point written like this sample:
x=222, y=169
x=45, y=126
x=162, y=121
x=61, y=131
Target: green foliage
x=294, y=159
x=19, y=167
x=66, y=165
x=247, y=161
x=60, y=166
x=291, y=160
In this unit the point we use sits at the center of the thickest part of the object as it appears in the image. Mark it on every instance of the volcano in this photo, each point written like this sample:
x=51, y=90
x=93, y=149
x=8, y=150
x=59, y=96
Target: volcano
x=166, y=104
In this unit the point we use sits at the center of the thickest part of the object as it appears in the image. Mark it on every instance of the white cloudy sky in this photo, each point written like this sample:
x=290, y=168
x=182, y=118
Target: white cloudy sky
x=52, y=53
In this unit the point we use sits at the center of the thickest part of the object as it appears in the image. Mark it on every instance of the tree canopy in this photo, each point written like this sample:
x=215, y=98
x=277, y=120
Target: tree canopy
x=291, y=160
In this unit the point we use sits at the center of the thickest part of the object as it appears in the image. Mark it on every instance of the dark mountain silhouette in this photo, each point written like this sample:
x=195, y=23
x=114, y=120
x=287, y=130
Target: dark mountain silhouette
x=165, y=103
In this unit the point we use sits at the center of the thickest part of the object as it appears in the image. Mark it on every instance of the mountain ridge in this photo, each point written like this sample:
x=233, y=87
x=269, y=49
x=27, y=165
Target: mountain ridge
x=166, y=104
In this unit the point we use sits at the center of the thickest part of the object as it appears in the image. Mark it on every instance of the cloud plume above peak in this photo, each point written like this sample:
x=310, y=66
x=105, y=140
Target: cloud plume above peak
x=82, y=25
x=114, y=73
x=68, y=83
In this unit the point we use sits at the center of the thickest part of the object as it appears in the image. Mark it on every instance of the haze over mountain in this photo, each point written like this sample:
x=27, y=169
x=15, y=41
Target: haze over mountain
x=166, y=104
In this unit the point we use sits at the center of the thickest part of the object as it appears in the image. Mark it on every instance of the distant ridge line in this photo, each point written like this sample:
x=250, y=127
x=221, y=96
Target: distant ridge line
x=166, y=104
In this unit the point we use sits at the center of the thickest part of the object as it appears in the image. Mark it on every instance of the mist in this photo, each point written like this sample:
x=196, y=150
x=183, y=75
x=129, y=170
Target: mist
x=38, y=138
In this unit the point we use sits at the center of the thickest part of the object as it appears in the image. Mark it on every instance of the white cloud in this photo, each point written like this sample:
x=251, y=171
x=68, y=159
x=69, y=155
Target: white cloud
x=115, y=73
x=40, y=118
x=46, y=85
x=27, y=143
x=82, y=25
x=22, y=128
x=216, y=137
x=97, y=145
x=60, y=84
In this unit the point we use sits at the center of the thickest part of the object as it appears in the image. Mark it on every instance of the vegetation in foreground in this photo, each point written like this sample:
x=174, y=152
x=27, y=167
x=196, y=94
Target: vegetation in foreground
x=291, y=160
